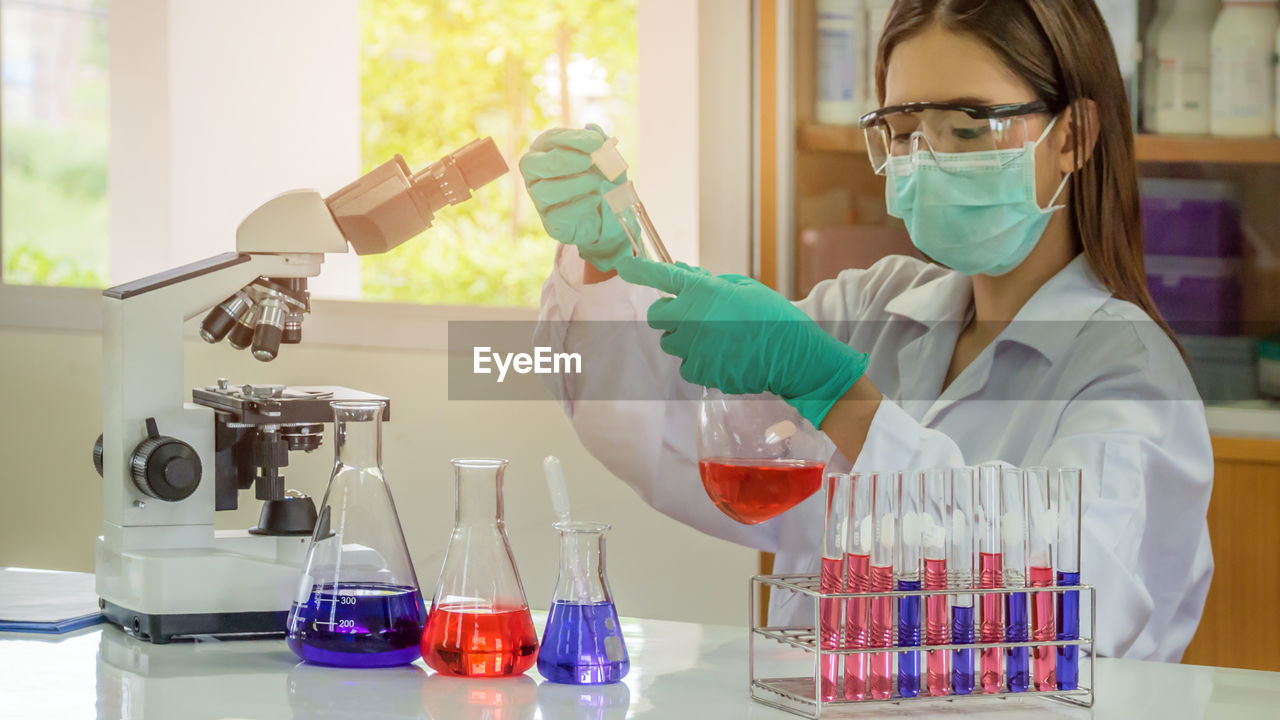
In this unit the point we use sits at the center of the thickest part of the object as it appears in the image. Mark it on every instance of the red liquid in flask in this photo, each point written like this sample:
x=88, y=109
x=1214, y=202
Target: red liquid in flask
x=752, y=491
x=467, y=641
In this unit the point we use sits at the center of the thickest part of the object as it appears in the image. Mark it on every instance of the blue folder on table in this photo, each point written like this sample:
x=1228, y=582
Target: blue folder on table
x=46, y=601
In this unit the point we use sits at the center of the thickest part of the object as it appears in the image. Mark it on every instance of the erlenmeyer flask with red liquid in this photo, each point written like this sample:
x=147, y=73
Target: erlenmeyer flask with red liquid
x=479, y=625
x=758, y=457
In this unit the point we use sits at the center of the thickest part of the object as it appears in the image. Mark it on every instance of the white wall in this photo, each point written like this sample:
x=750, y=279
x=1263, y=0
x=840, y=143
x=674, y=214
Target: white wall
x=52, y=509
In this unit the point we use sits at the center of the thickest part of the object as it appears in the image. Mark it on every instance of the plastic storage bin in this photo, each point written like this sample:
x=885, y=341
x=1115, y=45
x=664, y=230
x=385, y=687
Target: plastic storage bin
x=1198, y=296
x=1190, y=218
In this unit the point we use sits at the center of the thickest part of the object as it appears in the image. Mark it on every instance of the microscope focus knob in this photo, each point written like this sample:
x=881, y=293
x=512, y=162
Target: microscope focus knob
x=97, y=455
x=165, y=468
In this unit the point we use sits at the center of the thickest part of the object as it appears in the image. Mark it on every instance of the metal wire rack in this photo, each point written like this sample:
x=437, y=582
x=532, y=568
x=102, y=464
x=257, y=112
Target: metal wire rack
x=797, y=694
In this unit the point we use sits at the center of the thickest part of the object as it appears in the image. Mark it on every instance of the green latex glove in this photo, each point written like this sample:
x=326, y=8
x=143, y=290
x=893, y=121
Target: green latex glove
x=736, y=334
x=568, y=192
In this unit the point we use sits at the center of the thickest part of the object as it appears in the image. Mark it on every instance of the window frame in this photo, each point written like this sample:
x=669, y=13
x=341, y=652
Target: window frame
x=709, y=138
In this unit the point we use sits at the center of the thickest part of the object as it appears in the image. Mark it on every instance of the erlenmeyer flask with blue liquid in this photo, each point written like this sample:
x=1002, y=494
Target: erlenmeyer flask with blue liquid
x=582, y=643
x=358, y=603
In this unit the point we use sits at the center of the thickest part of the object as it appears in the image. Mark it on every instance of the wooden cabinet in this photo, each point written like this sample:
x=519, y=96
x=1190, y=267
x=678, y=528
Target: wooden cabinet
x=1241, y=622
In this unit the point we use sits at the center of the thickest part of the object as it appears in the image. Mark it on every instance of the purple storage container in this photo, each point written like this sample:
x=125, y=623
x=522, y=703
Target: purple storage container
x=1198, y=296
x=1190, y=218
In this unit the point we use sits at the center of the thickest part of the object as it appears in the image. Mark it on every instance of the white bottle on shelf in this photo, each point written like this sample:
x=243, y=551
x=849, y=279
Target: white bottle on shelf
x=839, y=76
x=1184, y=52
x=877, y=14
x=1151, y=63
x=1243, y=72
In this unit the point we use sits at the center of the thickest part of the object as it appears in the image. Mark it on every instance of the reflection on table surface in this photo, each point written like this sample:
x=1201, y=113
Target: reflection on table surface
x=679, y=670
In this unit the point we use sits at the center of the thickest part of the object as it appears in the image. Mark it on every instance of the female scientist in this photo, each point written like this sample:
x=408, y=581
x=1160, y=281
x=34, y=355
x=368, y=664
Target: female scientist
x=1005, y=140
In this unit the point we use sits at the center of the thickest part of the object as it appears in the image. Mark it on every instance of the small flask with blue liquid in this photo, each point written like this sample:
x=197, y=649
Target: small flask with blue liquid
x=582, y=643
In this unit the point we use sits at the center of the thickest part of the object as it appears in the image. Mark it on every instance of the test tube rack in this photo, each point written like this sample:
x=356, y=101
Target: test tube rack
x=798, y=694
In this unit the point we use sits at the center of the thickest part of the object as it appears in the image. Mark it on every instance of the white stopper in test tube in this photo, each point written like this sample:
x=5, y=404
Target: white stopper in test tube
x=608, y=160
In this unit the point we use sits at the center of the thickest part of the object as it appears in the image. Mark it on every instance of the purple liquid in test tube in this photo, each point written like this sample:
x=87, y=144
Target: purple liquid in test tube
x=960, y=552
x=1067, y=514
x=907, y=569
x=831, y=612
x=858, y=542
x=1013, y=525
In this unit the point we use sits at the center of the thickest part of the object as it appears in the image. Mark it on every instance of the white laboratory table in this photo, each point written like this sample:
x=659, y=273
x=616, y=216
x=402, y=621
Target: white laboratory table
x=678, y=670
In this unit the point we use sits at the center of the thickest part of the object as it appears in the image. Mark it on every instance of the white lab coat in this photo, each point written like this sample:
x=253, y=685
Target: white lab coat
x=1079, y=379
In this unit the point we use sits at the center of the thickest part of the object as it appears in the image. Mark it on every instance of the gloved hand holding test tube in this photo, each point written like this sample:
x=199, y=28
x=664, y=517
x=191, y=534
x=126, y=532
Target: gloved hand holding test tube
x=626, y=205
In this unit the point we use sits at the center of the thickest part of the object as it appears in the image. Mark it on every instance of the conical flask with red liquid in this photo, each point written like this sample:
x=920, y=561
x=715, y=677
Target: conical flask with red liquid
x=757, y=456
x=358, y=602
x=479, y=625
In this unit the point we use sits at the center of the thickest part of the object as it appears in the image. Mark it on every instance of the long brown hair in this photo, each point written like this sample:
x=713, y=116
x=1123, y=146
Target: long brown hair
x=1063, y=50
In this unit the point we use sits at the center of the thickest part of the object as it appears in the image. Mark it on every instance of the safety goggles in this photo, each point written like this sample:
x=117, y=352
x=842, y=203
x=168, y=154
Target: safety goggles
x=973, y=133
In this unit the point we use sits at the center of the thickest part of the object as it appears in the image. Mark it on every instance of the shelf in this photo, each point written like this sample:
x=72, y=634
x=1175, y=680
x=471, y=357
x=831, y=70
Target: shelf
x=831, y=138
x=1201, y=149
x=1151, y=148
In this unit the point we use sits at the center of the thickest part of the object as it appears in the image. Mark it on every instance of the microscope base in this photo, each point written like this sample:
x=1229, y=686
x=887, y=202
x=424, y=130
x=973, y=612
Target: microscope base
x=239, y=585
x=161, y=629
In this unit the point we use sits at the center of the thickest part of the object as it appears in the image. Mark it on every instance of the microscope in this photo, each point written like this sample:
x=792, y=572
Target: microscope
x=162, y=570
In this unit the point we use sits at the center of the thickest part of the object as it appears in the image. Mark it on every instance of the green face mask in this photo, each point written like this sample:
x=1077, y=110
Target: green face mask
x=974, y=212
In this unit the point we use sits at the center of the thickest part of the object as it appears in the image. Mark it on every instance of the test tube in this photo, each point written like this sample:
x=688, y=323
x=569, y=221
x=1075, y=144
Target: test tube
x=934, y=548
x=625, y=204
x=990, y=575
x=1067, y=516
x=960, y=571
x=884, y=513
x=1041, y=536
x=831, y=612
x=907, y=570
x=1013, y=525
x=858, y=544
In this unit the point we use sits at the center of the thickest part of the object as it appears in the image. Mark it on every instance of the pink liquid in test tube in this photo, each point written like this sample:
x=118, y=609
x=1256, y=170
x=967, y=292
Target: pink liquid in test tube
x=990, y=569
x=857, y=616
x=936, y=628
x=829, y=624
x=881, y=632
x=1044, y=658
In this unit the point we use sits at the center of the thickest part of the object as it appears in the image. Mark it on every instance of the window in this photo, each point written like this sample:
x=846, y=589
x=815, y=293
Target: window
x=437, y=73
x=433, y=74
x=53, y=142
